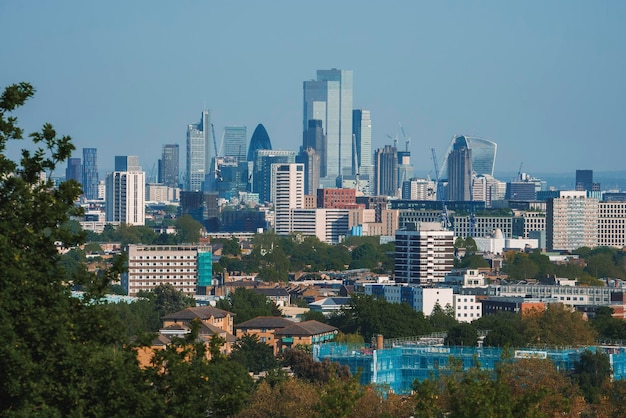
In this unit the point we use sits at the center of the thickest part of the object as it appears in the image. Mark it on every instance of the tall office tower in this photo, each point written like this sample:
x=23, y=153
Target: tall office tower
x=74, y=170
x=311, y=160
x=571, y=221
x=520, y=191
x=584, y=180
x=169, y=165
x=329, y=99
x=262, y=170
x=386, y=171
x=424, y=253
x=126, y=193
x=483, y=154
x=314, y=138
x=198, y=152
x=362, y=131
x=90, y=173
x=486, y=188
x=259, y=140
x=459, y=171
x=235, y=138
x=127, y=163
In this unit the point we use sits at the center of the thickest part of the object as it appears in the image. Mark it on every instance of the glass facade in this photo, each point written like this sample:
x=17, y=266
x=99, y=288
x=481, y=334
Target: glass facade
x=329, y=99
x=169, y=165
x=483, y=154
x=205, y=267
x=198, y=152
x=260, y=140
x=235, y=142
x=90, y=173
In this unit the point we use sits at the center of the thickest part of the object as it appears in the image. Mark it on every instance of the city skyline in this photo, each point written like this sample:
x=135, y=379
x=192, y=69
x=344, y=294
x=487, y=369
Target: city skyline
x=530, y=77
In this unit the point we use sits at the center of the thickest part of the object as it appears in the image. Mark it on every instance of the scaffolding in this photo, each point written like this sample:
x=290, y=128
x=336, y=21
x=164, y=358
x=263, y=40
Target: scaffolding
x=397, y=367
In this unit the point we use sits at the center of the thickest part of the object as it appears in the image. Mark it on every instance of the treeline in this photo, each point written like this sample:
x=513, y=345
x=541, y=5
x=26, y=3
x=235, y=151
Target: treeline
x=274, y=256
x=593, y=264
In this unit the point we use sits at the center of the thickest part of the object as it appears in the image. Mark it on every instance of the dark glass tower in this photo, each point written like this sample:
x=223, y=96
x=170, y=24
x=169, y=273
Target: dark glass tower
x=90, y=173
x=169, y=165
x=460, y=171
x=74, y=170
x=260, y=140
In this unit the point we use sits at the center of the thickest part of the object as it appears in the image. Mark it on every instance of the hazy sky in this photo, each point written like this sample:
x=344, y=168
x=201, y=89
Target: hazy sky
x=543, y=79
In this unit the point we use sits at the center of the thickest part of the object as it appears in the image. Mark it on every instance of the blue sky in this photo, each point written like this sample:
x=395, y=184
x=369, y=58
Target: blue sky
x=545, y=80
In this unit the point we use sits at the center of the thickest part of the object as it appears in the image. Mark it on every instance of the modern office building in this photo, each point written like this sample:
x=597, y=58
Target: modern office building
x=260, y=140
x=571, y=221
x=169, y=165
x=261, y=175
x=329, y=99
x=186, y=267
x=362, y=131
x=126, y=193
x=90, y=173
x=460, y=170
x=329, y=225
x=235, y=138
x=424, y=254
x=312, y=164
x=198, y=152
x=612, y=224
x=483, y=154
x=584, y=180
x=405, y=168
x=127, y=163
x=386, y=171
x=315, y=139
x=74, y=170
x=521, y=191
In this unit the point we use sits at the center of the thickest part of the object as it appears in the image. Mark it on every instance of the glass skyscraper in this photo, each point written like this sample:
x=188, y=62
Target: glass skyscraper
x=90, y=173
x=73, y=170
x=235, y=142
x=329, y=99
x=198, y=152
x=483, y=154
x=169, y=165
x=362, y=130
x=260, y=140
x=460, y=167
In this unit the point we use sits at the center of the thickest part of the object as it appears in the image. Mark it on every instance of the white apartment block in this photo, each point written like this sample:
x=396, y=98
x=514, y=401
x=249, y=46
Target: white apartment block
x=612, y=224
x=572, y=221
x=126, y=197
x=153, y=265
x=161, y=193
x=568, y=295
x=286, y=193
x=466, y=308
x=329, y=225
x=419, y=189
x=424, y=255
x=421, y=299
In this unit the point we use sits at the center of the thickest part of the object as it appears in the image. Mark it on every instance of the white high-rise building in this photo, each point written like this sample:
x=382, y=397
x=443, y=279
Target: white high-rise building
x=287, y=192
x=126, y=197
x=571, y=221
x=419, y=189
x=198, y=152
x=424, y=255
x=329, y=99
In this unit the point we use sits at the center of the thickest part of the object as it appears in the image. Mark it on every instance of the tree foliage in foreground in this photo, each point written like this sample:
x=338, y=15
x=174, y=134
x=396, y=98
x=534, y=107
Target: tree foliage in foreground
x=246, y=304
x=64, y=356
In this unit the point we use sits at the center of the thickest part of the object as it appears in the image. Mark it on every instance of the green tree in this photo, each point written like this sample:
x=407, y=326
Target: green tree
x=167, y=299
x=59, y=355
x=314, y=316
x=364, y=256
x=246, y=304
x=442, y=319
x=188, y=229
x=464, y=334
x=253, y=355
x=519, y=266
x=591, y=372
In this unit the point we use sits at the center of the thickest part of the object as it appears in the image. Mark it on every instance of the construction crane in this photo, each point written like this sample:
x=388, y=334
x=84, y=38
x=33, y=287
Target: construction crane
x=519, y=172
x=407, y=139
x=445, y=220
x=214, y=142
